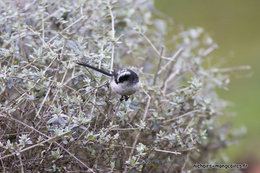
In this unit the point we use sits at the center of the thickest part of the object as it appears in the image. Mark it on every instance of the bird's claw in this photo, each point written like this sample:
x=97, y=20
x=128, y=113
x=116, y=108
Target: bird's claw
x=124, y=97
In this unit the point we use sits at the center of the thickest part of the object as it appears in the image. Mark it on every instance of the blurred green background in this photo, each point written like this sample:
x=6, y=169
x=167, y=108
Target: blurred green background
x=235, y=26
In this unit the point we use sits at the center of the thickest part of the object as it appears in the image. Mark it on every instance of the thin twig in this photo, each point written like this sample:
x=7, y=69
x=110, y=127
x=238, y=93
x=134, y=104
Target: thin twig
x=61, y=58
x=72, y=155
x=189, y=124
x=155, y=149
x=138, y=135
x=210, y=49
x=42, y=39
x=124, y=129
x=173, y=75
x=94, y=102
x=43, y=30
x=165, y=151
x=181, y=116
x=3, y=166
x=185, y=162
x=21, y=162
x=16, y=37
x=150, y=42
x=158, y=66
x=112, y=35
x=44, y=100
x=36, y=145
x=153, y=46
x=2, y=3
x=78, y=20
x=80, y=136
x=225, y=70
x=22, y=95
x=64, y=75
x=174, y=57
x=147, y=105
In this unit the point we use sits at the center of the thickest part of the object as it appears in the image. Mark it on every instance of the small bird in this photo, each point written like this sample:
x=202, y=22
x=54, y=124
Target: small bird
x=124, y=82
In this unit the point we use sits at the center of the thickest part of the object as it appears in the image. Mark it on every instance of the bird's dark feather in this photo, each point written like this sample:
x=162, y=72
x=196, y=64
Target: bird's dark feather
x=123, y=78
x=126, y=75
x=94, y=68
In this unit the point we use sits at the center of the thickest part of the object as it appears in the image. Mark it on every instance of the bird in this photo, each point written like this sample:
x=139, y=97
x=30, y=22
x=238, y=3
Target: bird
x=124, y=82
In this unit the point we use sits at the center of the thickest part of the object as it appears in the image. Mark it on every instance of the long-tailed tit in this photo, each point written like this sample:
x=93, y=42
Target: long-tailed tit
x=123, y=82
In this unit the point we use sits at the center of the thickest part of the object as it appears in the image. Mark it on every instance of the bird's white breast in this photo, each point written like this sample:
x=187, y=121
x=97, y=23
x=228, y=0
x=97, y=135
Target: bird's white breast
x=123, y=88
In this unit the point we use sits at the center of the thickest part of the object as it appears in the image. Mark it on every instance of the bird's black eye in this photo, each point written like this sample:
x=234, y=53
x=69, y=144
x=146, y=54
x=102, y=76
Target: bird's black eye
x=123, y=78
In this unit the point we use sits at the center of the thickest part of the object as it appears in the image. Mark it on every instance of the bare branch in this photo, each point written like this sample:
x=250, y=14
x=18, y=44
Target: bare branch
x=158, y=66
x=112, y=35
x=174, y=57
x=68, y=27
x=172, y=76
x=227, y=70
x=181, y=116
x=72, y=155
x=138, y=134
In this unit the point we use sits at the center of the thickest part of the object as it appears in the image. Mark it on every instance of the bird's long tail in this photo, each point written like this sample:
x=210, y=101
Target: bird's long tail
x=94, y=68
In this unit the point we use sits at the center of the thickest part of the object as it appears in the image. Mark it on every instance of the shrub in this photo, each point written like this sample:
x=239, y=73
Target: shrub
x=59, y=117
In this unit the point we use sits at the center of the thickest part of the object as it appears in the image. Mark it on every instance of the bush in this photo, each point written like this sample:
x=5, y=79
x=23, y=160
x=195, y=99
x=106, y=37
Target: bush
x=59, y=117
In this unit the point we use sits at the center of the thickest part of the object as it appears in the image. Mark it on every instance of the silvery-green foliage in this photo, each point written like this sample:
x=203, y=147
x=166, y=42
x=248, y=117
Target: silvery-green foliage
x=59, y=117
